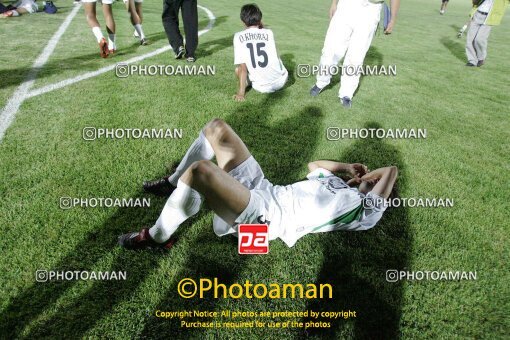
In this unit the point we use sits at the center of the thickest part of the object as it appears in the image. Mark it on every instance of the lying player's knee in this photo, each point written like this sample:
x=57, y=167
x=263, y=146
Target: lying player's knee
x=215, y=126
x=202, y=168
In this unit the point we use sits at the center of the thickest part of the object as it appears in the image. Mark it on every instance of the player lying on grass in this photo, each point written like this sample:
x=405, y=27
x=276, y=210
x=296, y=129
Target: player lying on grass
x=258, y=64
x=105, y=48
x=238, y=192
x=19, y=8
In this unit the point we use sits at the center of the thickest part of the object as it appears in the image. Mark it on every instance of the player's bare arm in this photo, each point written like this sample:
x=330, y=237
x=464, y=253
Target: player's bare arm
x=383, y=180
x=242, y=76
x=395, y=6
x=354, y=169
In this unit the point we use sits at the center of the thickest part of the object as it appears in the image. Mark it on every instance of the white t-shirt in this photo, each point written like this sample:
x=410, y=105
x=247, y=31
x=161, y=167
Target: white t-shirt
x=256, y=48
x=486, y=6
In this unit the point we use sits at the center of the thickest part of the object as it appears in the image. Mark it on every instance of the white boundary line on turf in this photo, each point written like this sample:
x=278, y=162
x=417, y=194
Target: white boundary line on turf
x=11, y=108
x=70, y=81
x=23, y=92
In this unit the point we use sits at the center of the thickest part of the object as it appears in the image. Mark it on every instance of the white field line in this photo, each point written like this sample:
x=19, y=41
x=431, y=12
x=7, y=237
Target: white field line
x=70, y=81
x=11, y=108
x=23, y=92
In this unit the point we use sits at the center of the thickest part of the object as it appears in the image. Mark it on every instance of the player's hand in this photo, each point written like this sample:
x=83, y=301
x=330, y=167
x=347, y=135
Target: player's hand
x=371, y=177
x=357, y=169
x=389, y=28
x=332, y=11
x=239, y=97
x=354, y=182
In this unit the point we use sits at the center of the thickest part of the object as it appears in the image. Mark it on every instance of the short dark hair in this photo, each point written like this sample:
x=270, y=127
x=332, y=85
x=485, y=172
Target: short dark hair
x=251, y=15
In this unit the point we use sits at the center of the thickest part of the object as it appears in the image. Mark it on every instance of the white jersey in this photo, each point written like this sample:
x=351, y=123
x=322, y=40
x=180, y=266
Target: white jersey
x=322, y=203
x=256, y=48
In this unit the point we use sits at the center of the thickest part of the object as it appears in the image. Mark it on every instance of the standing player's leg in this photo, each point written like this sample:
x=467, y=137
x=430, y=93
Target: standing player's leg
x=335, y=46
x=480, y=44
x=444, y=4
x=136, y=21
x=474, y=27
x=358, y=46
x=190, y=20
x=90, y=14
x=110, y=25
x=170, y=19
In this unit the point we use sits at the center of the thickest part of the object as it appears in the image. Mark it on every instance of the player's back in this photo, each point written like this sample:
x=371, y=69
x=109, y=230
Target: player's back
x=256, y=48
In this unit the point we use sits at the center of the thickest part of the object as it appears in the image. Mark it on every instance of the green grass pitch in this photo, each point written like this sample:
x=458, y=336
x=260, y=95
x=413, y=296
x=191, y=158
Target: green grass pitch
x=464, y=157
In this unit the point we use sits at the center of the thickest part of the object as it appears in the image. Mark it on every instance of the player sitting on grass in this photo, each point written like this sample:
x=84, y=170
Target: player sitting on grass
x=258, y=64
x=238, y=192
x=105, y=48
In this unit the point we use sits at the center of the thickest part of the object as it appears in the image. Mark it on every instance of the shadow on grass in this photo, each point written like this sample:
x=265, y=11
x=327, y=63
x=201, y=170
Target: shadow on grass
x=456, y=48
x=74, y=319
x=356, y=262
x=278, y=147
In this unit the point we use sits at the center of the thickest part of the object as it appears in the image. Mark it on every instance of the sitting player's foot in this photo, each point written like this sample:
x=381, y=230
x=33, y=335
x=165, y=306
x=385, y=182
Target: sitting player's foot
x=191, y=59
x=159, y=187
x=346, y=102
x=112, y=51
x=470, y=64
x=315, y=91
x=180, y=53
x=103, y=48
x=144, y=42
x=480, y=63
x=459, y=35
x=142, y=240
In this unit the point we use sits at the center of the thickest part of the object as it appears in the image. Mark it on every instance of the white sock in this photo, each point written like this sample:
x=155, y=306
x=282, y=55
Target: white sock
x=201, y=149
x=97, y=33
x=135, y=33
x=111, y=41
x=139, y=30
x=183, y=203
x=464, y=28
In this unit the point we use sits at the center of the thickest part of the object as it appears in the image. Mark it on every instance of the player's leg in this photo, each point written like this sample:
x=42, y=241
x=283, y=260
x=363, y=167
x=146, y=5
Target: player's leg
x=90, y=13
x=170, y=18
x=216, y=139
x=335, y=46
x=480, y=43
x=136, y=21
x=190, y=19
x=203, y=179
x=110, y=25
x=473, y=29
x=139, y=11
x=358, y=46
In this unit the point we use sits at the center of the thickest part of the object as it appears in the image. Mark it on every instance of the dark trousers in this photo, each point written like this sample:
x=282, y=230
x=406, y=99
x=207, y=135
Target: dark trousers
x=171, y=23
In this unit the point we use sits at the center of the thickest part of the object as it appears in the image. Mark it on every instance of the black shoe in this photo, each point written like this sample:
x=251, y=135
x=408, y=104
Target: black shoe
x=315, y=91
x=470, y=64
x=180, y=53
x=140, y=240
x=480, y=63
x=191, y=59
x=346, y=102
x=144, y=42
x=159, y=187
